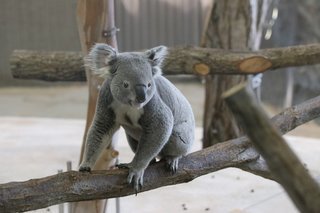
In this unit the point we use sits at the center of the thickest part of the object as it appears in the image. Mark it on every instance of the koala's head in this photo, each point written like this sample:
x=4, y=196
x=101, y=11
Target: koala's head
x=131, y=74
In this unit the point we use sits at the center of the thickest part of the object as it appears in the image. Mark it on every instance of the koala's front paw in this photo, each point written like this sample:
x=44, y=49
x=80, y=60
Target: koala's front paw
x=84, y=168
x=135, y=176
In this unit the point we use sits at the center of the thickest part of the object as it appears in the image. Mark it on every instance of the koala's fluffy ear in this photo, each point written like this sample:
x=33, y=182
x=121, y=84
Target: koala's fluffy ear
x=100, y=59
x=156, y=55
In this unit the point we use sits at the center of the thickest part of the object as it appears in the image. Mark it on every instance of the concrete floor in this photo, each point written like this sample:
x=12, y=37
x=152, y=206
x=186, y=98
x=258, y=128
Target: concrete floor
x=41, y=128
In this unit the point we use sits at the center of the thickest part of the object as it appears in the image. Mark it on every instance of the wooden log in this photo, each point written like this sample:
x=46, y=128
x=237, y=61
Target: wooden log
x=181, y=60
x=294, y=116
x=74, y=186
x=42, y=65
x=282, y=161
x=47, y=66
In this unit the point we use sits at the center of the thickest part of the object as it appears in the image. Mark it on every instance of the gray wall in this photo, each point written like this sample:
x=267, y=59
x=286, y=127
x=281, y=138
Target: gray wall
x=51, y=25
x=36, y=25
x=147, y=23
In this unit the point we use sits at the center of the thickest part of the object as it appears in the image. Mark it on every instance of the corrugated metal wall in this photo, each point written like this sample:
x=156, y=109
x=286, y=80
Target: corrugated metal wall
x=36, y=25
x=147, y=23
x=51, y=25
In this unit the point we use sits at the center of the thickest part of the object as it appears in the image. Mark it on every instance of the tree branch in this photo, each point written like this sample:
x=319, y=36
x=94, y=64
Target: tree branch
x=68, y=66
x=282, y=161
x=285, y=121
x=195, y=60
x=293, y=117
x=74, y=186
x=47, y=66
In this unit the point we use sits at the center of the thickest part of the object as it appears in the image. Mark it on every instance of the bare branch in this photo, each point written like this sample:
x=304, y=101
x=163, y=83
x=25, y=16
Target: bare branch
x=68, y=66
x=74, y=186
x=293, y=117
x=283, y=163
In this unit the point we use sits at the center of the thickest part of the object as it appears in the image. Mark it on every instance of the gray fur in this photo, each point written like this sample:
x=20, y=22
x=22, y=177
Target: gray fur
x=157, y=118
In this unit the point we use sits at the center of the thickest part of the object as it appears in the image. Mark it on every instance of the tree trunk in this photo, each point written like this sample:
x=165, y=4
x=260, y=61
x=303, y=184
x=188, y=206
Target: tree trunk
x=95, y=24
x=233, y=25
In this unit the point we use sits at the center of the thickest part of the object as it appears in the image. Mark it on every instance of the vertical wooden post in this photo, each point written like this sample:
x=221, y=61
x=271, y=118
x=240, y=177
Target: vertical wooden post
x=95, y=17
x=95, y=24
x=234, y=25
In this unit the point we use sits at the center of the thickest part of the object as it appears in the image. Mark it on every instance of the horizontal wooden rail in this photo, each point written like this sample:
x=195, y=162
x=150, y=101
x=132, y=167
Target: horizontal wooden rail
x=68, y=66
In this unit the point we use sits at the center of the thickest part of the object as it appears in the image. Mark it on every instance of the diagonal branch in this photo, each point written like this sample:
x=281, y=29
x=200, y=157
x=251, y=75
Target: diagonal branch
x=293, y=117
x=282, y=161
x=74, y=186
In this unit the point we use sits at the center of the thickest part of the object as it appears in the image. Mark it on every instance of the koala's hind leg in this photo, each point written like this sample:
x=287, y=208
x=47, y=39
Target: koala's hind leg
x=133, y=143
x=178, y=146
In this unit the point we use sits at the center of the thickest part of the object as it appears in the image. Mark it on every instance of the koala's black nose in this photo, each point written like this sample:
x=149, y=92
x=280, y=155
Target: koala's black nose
x=140, y=93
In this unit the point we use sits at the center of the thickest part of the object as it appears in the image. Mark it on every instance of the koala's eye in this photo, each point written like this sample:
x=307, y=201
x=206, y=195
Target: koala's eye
x=125, y=84
x=149, y=85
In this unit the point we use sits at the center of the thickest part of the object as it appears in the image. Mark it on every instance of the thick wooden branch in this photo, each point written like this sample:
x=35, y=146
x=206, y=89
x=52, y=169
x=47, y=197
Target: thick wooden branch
x=52, y=66
x=74, y=186
x=203, y=61
x=293, y=117
x=282, y=161
x=47, y=66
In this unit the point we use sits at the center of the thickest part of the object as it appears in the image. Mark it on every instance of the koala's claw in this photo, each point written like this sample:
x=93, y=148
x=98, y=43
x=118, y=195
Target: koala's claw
x=135, y=176
x=172, y=164
x=85, y=169
x=136, y=179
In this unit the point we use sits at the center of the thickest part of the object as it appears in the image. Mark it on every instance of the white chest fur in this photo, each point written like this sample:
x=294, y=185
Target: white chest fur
x=127, y=115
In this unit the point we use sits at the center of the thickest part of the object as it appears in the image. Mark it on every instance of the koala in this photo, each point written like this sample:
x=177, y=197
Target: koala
x=157, y=119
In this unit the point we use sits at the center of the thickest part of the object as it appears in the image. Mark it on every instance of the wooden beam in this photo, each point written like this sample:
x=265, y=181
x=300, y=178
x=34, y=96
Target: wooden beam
x=187, y=60
x=47, y=66
x=51, y=66
x=282, y=161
